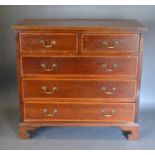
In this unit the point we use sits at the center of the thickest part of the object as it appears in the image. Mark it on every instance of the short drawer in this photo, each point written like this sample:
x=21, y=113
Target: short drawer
x=110, y=43
x=79, y=112
x=112, y=65
x=49, y=42
x=85, y=89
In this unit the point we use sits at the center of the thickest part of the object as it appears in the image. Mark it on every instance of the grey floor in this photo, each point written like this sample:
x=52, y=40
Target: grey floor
x=71, y=138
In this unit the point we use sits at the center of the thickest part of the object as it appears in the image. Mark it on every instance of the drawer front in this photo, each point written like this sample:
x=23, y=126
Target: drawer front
x=49, y=89
x=112, y=65
x=79, y=112
x=52, y=42
x=110, y=43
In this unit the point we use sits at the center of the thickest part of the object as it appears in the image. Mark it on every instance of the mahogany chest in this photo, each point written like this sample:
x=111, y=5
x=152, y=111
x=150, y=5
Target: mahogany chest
x=79, y=72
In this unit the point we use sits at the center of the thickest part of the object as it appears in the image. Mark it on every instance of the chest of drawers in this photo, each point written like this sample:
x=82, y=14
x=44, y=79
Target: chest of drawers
x=79, y=73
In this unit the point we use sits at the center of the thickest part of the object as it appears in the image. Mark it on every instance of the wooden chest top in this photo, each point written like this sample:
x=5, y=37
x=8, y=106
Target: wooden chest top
x=80, y=24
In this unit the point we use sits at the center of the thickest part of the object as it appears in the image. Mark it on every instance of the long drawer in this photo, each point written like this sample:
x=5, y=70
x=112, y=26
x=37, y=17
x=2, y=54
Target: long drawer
x=125, y=43
x=112, y=65
x=79, y=112
x=48, y=42
x=103, y=89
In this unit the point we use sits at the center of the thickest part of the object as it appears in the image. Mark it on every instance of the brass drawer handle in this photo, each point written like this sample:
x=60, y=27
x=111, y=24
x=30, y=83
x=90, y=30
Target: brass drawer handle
x=44, y=43
x=52, y=114
x=108, y=92
x=105, y=67
x=46, y=91
x=110, y=44
x=45, y=67
x=108, y=113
